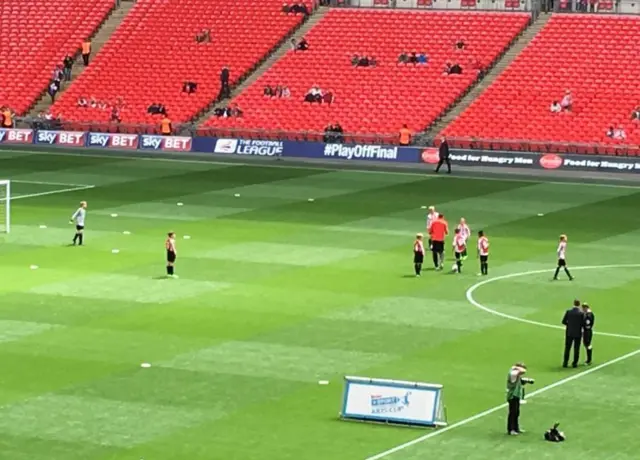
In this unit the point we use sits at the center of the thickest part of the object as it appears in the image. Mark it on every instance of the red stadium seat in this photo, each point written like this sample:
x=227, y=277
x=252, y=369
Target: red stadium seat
x=37, y=35
x=154, y=52
x=599, y=66
x=376, y=99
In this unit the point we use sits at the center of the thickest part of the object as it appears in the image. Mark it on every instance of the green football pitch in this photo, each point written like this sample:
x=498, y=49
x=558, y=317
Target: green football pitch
x=278, y=292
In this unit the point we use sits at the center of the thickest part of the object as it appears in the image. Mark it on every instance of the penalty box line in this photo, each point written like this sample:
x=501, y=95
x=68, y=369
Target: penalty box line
x=487, y=412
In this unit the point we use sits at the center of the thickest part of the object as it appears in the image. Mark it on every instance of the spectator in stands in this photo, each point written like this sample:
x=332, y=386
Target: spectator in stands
x=68, y=66
x=452, y=69
x=355, y=60
x=314, y=95
x=555, y=107
x=53, y=90
x=286, y=9
x=189, y=87
x=58, y=75
x=363, y=61
x=422, y=58
x=413, y=58
x=299, y=8
x=303, y=45
x=333, y=134
x=7, y=117
x=635, y=115
x=115, y=115
x=225, y=91
x=82, y=102
x=328, y=97
x=286, y=92
x=460, y=44
x=619, y=134
x=373, y=61
x=405, y=135
x=567, y=101
x=267, y=91
x=610, y=132
x=234, y=110
x=93, y=103
x=86, y=51
x=403, y=58
x=204, y=36
x=293, y=44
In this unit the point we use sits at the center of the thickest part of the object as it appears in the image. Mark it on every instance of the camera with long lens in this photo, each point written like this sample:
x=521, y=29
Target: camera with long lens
x=527, y=381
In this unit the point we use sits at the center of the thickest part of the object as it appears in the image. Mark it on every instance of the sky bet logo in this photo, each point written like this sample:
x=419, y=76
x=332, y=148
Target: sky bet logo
x=68, y=138
x=116, y=141
x=171, y=143
x=16, y=136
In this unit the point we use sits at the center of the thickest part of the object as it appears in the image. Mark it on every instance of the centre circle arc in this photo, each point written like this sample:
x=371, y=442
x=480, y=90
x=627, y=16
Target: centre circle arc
x=475, y=303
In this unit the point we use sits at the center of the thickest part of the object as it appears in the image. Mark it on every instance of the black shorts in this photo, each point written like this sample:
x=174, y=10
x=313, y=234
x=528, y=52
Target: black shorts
x=418, y=257
x=587, y=336
x=562, y=263
x=79, y=227
x=437, y=246
x=171, y=256
x=484, y=259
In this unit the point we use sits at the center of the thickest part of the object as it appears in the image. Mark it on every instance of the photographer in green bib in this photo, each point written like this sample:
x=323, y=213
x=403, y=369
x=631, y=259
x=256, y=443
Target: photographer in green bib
x=515, y=394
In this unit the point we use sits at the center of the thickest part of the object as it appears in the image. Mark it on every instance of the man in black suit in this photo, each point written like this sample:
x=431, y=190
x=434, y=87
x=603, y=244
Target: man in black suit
x=443, y=152
x=224, y=83
x=574, y=322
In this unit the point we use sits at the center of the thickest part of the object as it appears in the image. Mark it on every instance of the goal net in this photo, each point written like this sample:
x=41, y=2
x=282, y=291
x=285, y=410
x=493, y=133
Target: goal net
x=5, y=206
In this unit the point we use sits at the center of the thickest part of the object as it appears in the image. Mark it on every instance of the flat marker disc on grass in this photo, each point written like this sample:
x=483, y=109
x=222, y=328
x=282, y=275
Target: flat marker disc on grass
x=43, y=226
x=323, y=382
x=115, y=251
x=145, y=365
x=237, y=195
x=126, y=232
x=186, y=237
x=180, y=204
x=114, y=215
x=33, y=267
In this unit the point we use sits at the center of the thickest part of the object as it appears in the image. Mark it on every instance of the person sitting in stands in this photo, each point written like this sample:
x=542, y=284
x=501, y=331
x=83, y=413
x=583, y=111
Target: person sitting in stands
x=115, y=115
x=413, y=58
x=328, y=97
x=451, y=69
x=93, y=103
x=220, y=111
x=314, y=95
x=567, y=101
x=293, y=44
x=610, y=132
x=363, y=61
x=555, y=107
x=303, y=45
x=82, y=102
x=372, y=61
x=299, y=8
x=286, y=9
x=635, y=115
x=422, y=58
x=102, y=105
x=189, y=87
x=403, y=58
x=460, y=44
x=619, y=133
x=267, y=92
x=204, y=36
x=355, y=60
x=234, y=110
x=286, y=92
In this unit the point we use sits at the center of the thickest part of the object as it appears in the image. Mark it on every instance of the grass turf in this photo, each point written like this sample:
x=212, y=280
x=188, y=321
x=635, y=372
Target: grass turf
x=277, y=292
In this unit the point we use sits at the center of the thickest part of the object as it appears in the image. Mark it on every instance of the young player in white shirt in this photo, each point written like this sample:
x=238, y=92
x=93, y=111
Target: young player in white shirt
x=459, y=248
x=562, y=258
x=78, y=218
x=465, y=231
x=432, y=215
x=483, y=253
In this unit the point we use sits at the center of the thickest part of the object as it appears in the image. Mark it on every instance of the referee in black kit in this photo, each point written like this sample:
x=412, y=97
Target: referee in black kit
x=587, y=336
x=574, y=322
x=443, y=153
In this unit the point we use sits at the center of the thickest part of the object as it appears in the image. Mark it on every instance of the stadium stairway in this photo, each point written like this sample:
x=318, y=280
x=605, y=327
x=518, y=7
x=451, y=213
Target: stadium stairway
x=300, y=32
x=503, y=62
x=98, y=39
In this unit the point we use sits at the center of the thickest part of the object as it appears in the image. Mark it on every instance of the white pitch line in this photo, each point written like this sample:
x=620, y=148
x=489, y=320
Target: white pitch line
x=50, y=192
x=426, y=174
x=475, y=303
x=483, y=414
x=61, y=184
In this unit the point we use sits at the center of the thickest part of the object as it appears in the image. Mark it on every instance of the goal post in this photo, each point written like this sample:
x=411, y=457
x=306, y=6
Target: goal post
x=5, y=206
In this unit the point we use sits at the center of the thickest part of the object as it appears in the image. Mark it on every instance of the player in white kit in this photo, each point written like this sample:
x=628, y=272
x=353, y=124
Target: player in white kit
x=78, y=218
x=431, y=218
x=562, y=258
x=465, y=232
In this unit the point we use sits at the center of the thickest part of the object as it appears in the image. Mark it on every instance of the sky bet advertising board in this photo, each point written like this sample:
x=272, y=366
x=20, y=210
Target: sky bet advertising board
x=393, y=401
x=113, y=141
x=165, y=143
x=16, y=136
x=63, y=138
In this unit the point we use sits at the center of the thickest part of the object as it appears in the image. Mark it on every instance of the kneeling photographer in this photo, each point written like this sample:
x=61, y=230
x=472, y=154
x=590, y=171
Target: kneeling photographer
x=515, y=394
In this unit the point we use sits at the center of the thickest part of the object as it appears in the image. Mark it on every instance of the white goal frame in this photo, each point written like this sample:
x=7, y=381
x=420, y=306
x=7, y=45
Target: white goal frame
x=7, y=205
